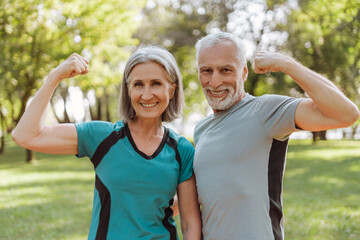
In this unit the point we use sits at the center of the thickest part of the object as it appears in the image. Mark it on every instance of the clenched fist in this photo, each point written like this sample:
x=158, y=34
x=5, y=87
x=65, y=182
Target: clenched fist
x=71, y=67
x=270, y=61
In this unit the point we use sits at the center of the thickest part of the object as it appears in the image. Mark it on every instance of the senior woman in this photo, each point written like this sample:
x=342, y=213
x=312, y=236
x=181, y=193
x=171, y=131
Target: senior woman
x=139, y=164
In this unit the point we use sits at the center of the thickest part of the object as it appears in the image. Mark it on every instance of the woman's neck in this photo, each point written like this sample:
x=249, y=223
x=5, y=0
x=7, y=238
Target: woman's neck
x=147, y=128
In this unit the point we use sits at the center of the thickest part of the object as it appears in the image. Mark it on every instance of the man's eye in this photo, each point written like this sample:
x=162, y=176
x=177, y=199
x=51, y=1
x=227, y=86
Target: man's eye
x=227, y=70
x=205, y=70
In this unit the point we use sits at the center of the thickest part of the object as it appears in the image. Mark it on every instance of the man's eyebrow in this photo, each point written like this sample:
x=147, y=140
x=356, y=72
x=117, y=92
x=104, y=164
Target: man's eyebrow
x=227, y=66
x=201, y=67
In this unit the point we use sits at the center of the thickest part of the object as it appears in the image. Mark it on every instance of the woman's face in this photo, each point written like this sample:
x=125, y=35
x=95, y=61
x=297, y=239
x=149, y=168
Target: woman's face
x=149, y=90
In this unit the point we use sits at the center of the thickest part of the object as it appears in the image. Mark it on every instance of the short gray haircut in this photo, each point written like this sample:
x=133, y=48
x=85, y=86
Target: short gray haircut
x=215, y=38
x=165, y=59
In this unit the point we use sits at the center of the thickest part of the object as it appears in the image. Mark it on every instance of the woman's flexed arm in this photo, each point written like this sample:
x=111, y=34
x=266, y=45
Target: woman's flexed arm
x=31, y=131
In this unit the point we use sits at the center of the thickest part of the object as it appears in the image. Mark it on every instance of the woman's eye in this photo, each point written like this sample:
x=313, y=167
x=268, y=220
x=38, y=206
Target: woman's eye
x=156, y=83
x=138, y=84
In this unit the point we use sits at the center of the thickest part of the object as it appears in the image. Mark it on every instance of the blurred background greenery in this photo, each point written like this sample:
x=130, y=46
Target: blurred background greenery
x=36, y=35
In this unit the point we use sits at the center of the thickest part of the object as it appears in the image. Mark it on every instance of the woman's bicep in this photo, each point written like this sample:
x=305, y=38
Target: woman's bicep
x=56, y=139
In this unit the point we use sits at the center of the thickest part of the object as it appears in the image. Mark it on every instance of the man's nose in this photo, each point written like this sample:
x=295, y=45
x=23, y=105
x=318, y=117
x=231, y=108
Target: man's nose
x=215, y=80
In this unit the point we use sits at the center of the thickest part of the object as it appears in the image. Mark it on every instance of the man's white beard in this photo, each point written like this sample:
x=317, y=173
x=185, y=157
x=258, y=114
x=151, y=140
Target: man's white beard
x=220, y=103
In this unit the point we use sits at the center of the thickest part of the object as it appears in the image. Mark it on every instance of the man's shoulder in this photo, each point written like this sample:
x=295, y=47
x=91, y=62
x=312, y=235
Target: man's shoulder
x=203, y=122
x=273, y=100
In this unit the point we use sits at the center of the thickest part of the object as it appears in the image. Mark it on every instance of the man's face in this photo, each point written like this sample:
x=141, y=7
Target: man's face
x=221, y=75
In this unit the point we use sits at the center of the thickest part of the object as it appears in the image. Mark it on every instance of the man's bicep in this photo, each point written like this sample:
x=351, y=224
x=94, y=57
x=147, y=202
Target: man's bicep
x=308, y=117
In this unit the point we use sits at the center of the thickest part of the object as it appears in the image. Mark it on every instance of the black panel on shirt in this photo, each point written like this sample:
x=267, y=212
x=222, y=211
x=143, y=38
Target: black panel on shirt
x=105, y=201
x=171, y=228
x=275, y=176
x=173, y=144
x=105, y=146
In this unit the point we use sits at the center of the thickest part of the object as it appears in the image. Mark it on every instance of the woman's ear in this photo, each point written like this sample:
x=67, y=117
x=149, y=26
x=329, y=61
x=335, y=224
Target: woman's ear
x=172, y=90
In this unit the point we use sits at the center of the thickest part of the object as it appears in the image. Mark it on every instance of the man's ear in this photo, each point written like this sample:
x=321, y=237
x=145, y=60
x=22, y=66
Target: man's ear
x=245, y=73
x=172, y=90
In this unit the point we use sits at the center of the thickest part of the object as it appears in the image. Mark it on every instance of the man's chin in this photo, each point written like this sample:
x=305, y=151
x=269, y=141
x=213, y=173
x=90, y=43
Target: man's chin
x=219, y=106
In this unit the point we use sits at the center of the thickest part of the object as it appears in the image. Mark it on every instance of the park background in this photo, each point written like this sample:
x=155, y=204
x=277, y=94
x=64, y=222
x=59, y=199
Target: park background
x=50, y=197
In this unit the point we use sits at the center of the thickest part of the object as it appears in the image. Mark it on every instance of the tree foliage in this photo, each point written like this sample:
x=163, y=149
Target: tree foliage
x=36, y=35
x=179, y=24
x=325, y=36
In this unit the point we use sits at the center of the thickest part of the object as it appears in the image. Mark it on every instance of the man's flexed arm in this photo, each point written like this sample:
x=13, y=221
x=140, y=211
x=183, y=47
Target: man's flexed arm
x=31, y=131
x=327, y=106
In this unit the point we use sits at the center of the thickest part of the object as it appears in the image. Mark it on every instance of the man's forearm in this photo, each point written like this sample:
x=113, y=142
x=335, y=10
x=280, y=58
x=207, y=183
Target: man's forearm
x=329, y=100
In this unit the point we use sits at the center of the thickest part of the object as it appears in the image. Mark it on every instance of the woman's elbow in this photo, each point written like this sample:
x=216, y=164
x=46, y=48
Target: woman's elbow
x=191, y=230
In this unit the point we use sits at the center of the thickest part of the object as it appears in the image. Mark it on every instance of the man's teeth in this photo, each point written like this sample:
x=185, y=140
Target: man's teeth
x=148, y=105
x=218, y=92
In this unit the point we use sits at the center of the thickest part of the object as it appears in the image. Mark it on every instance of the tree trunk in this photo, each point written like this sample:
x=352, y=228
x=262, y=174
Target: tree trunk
x=353, y=131
x=2, y=129
x=320, y=134
x=253, y=84
x=97, y=114
x=52, y=106
x=30, y=156
x=107, y=106
x=2, y=147
x=64, y=94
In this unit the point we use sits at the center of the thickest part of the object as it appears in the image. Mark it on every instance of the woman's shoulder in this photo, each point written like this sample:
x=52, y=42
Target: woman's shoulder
x=100, y=126
x=182, y=141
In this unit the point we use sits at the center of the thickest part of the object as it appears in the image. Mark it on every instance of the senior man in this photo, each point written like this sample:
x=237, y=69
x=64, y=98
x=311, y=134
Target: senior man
x=241, y=148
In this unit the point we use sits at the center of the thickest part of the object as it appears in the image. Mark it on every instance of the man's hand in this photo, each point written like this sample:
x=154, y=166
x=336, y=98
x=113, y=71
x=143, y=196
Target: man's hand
x=269, y=61
x=71, y=67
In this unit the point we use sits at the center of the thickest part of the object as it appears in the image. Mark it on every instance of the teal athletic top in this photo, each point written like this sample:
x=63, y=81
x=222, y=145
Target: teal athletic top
x=133, y=192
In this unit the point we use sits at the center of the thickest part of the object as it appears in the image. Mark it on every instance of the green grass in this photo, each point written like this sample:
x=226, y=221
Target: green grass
x=322, y=190
x=52, y=198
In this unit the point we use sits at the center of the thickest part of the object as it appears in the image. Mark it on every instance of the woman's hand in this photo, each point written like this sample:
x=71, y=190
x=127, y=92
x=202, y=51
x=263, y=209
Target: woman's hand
x=71, y=67
x=31, y=132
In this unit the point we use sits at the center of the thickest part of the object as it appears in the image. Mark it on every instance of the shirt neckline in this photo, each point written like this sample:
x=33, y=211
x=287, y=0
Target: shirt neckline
x=142, y=154
x=245, y=99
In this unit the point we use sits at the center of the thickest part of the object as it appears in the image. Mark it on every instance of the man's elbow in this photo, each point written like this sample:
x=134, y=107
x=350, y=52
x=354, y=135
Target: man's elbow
x=18, y=139
x=352, y=118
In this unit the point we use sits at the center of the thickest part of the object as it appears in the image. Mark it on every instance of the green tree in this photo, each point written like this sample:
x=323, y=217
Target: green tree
x=325, y=36
x=179, y=24
x=36, y=35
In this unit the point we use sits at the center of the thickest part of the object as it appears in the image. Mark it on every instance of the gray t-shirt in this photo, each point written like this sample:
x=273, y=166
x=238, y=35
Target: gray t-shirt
x=239, y=164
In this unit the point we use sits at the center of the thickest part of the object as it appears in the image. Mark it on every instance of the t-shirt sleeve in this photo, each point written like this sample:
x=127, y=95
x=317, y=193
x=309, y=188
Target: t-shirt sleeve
x=90, y=135
x=186, y=152
x=277, y=114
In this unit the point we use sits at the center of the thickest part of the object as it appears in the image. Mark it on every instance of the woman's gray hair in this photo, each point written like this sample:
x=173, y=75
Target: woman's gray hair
x=165, y=59
x=215, y=38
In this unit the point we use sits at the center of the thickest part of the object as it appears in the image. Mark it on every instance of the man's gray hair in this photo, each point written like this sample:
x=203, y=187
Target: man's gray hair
x=165, y=59
x=215, y=38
